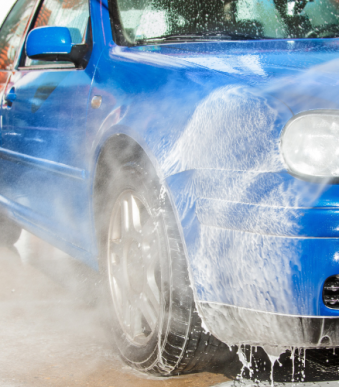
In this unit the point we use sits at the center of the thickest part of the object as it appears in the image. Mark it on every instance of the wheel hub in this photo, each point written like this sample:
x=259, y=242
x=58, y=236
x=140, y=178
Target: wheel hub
x=133, y=267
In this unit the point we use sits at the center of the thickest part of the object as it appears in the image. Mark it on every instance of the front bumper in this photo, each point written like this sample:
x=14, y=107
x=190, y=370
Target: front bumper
x=234, y=325
x=260, y=247
x=271, y=273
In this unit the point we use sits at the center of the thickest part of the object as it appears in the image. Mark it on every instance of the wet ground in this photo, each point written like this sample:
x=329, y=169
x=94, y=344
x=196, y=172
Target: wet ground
x=51, y=333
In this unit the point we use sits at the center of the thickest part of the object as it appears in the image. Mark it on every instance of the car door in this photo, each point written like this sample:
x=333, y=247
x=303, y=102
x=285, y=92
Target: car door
x=43, y=132
x=11, y=35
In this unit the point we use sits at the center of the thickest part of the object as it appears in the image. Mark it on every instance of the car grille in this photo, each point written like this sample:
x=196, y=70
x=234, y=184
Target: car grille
x=331, y=292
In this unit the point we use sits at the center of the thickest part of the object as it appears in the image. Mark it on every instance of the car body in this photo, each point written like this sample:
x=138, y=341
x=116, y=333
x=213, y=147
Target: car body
x=260, y=239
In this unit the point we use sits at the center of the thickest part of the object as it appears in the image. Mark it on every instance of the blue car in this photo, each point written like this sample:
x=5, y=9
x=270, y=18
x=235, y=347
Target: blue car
x=189, y=151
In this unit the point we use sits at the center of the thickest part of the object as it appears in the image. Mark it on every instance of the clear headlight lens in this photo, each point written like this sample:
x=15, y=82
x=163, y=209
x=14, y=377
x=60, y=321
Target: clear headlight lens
x=310, y=144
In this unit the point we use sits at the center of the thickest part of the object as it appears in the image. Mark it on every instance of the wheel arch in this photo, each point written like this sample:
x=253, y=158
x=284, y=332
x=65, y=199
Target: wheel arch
x=116, y=149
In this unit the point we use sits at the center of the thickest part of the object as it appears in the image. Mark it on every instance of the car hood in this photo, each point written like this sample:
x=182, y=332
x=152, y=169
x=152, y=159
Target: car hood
x=303, y=73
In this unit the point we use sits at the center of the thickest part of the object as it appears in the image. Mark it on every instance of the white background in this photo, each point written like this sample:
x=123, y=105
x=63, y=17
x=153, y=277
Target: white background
x=5, y=6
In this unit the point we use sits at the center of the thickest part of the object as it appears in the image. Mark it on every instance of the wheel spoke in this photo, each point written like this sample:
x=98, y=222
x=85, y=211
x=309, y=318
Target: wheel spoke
x=150, y=286
x=137, y=329
x=125, y=219
x=125, y=300
x=130, y=217
x=118, y=291
x=133, y=315
x=127, y=294
x=116, y=252
x=134, y=268
x=116, y=225
x=152, y=293
x=147, y=311
x=134, y=211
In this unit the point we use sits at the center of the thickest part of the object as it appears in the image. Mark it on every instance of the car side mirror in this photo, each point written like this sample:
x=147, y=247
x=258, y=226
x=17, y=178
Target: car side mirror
x=54, y=44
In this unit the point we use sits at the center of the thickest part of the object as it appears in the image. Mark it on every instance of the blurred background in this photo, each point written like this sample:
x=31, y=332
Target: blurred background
x=5, y=6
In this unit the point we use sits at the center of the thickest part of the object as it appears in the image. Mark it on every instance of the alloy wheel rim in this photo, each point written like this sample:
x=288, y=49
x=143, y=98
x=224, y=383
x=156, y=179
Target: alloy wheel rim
x=134, y=268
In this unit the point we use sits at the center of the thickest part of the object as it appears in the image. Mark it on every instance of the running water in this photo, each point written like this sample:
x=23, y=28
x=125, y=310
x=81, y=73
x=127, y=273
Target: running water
x=243, y=360
x=293, y=357
x=241, y=220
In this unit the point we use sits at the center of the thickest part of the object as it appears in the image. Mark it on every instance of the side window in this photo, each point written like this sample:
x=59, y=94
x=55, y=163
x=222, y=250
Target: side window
x=12, y=30
x=72, y=14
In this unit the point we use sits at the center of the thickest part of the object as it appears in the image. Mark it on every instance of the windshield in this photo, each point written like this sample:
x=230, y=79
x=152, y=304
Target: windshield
x=145, y=21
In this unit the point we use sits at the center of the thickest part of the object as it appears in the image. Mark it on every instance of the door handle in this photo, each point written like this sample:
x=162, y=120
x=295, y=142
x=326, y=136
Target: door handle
x=10, y=97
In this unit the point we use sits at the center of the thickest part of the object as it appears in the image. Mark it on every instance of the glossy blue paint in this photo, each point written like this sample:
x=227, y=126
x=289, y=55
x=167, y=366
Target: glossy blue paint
x=48, y=40
x=221, y=194
x=209, y=116
x=50, y=166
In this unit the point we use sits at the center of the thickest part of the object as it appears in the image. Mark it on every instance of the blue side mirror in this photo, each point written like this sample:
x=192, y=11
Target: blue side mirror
x=48, y=41
x=54, y=44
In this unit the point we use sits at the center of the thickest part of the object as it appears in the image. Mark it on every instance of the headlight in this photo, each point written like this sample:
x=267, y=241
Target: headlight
x=310, y=144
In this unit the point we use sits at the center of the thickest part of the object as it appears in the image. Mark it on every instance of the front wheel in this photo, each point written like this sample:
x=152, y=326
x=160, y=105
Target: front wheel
x=153, y=317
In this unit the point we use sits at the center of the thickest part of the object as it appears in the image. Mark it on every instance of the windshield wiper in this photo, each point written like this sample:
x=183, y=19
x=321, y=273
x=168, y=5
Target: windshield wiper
x=203, y=36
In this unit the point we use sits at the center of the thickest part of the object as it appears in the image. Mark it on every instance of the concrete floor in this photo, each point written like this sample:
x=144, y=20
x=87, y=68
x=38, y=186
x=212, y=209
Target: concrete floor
x=50, y=335
x=51, y=331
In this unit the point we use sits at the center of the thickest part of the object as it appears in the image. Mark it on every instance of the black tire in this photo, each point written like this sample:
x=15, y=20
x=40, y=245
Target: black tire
x=177, y=343
x=9, y=231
